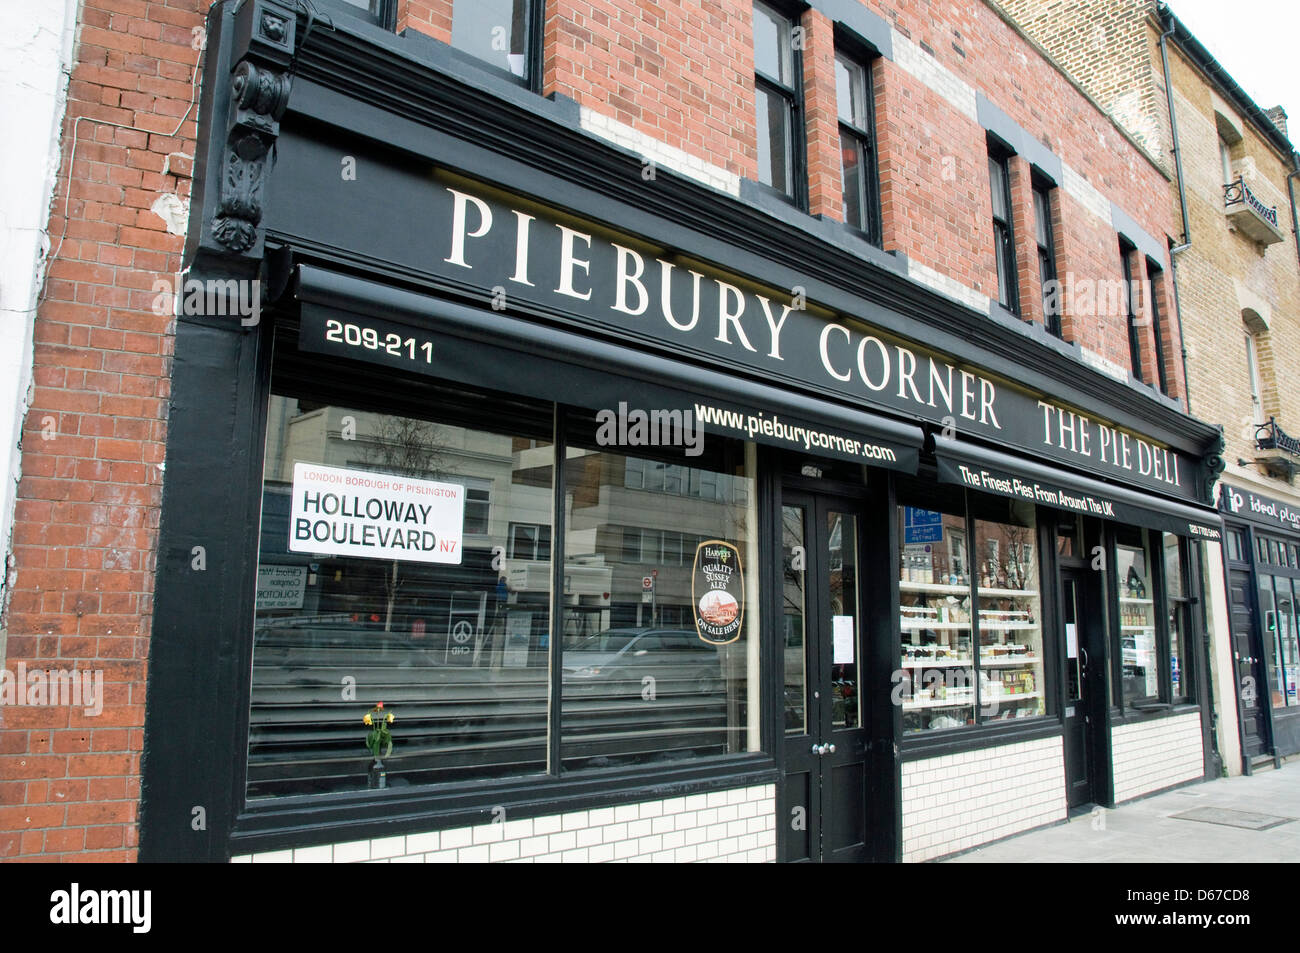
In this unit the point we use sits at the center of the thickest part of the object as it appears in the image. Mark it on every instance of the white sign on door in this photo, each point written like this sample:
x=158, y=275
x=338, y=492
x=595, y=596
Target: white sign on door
x=375, y=515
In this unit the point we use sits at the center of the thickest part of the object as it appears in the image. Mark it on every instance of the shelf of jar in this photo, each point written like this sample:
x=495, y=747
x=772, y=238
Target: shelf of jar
x=1137, y=628
x=1007, y=626
x=922, y=624
x=1006, y=661
x=967, y=701
x=1009, y=661
x=963, y=701
x=1006, y=593
x=1137, y=602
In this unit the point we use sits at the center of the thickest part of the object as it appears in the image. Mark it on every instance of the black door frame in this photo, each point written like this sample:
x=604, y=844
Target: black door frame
x=878, y=643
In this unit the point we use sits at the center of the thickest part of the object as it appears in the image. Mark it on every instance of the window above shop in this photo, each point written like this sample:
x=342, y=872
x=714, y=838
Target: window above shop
x=778, y=97
x=503, y=34
x=855, y=108
x=1046, y=245
x=1004, y=242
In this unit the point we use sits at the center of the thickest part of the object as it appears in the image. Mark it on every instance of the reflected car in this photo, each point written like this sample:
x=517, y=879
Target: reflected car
x=618, y=661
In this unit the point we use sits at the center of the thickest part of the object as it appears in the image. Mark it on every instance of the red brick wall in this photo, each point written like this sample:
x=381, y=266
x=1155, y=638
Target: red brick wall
x=87, y=512
x=681, y=71
x=825, y=167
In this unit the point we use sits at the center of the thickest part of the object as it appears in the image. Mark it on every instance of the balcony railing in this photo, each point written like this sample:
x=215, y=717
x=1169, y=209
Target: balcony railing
x=1271, y=436
x=1250, y=215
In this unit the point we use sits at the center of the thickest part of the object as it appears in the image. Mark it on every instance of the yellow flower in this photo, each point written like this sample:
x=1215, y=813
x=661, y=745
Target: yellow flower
x=390, y=718
x=368, y=720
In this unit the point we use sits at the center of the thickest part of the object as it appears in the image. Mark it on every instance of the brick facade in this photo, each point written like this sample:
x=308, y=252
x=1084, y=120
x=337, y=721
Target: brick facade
x=673, y=76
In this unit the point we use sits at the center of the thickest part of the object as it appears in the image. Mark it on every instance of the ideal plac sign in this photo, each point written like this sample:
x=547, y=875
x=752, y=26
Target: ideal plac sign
x=512, y=251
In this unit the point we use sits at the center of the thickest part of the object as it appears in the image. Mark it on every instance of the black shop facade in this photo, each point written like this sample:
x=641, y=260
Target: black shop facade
x=1262, y=575
x=660, y=521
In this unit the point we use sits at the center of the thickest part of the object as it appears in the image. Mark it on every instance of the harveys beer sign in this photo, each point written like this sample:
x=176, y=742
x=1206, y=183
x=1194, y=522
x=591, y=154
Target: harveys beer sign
x=718, y=592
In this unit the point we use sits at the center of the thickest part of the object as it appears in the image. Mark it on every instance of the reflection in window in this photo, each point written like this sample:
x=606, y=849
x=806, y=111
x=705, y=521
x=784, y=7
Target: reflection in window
x=456, y=650
x=495, y=31
x=640, y=685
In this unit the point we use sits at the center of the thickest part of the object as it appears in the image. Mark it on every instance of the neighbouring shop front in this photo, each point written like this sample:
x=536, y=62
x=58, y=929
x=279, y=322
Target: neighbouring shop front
x=649, y=544
x=1262, y=575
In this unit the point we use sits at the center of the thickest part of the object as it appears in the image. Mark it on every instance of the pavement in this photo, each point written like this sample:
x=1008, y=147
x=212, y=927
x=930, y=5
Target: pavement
x=1146, y=831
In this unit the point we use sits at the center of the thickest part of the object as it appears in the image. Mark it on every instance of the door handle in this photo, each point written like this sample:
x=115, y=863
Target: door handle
x=818, y=749
x=1083, y=653
x=830, y=748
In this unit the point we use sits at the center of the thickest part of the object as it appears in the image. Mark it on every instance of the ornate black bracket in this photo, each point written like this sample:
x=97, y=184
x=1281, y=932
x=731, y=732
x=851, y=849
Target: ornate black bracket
x=254, y=48
x=1214, y=465
x=258, y=98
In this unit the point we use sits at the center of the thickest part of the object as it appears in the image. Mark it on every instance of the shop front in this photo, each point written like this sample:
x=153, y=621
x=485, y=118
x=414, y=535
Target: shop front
x=659, y=529
x=1262, y=576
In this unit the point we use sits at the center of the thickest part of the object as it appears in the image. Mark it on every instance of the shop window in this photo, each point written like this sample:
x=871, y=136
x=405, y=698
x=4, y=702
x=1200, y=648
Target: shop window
x=1004, y=243
x=1236, y=542
x=1287, y=642
x=1268, y=610
x=854, y=106
x=778, y=102
x=640, y=684
x=1178, y=606
x=1278, y=606
x=1047, y=258
x=1139, y=658
x=500, y=33
x=972, y=644
x=427, y=621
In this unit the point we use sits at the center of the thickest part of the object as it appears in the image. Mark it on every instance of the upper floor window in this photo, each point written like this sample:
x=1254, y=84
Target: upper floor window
x=1003, y=236
x=854, y=105
x=777, y=94
x=382, y=12
x=1154, y=277
x=1252, y=369
x=1130, y=308
x=1047, y=258
x=501, y=33
x=1225, y=159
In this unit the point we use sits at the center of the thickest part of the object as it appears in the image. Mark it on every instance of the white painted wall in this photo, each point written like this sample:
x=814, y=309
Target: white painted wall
x=36, y=45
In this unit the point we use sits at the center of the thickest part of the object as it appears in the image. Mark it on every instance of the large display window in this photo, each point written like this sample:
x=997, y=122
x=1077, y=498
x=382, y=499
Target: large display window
x=659, y=663
x=409, y=558
x=364, y=596
x=971, y=620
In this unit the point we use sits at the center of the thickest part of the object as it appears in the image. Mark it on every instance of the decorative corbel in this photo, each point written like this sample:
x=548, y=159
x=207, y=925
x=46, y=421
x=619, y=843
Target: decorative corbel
x=1214, y=465
x=258, y=93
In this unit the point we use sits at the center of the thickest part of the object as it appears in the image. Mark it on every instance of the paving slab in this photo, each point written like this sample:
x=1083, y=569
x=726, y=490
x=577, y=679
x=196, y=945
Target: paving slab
x=1252, y=819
